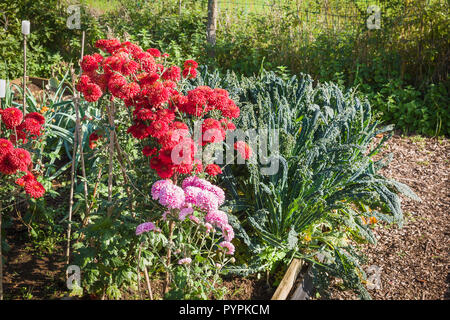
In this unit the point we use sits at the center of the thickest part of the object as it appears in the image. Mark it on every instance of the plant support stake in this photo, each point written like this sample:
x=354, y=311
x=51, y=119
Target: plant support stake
x=2, y=95
x=25, y=32
x=1, y=256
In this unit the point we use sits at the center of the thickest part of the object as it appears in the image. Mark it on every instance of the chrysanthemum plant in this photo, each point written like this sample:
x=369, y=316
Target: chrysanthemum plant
x=164, y=121
x=16, y=167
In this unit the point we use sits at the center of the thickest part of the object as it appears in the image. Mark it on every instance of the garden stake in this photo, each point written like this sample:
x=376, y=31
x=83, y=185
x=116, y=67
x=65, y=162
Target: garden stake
x=111, y=156
x=147, y=279
x=1, y=256
x=139, y=271
x=125, y=178
x=72, y=182
x=169, y=253
x=79, y=132
x=25, y=32
x=76, y=137
x=2, y=95
x=80, y=129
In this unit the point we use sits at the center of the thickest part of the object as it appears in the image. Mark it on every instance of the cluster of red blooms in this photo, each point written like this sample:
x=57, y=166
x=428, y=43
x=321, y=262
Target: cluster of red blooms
x=14, y=160
x=144, y=83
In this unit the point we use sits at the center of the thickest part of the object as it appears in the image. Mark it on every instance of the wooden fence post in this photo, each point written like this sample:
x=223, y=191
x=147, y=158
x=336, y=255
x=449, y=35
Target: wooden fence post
x=212, y=26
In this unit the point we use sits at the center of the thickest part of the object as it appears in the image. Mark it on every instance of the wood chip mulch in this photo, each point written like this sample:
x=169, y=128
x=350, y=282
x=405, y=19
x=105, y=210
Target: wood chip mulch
x=414, y=260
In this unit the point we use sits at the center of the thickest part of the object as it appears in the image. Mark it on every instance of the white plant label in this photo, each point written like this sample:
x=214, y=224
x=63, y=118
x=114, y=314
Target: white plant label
x=2, y=88
x=26, y=27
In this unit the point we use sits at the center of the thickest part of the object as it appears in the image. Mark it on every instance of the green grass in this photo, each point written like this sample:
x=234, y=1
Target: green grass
x=103, y=6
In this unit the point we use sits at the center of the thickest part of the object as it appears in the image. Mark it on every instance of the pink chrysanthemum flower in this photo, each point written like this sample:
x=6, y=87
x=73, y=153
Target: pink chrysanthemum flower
x=209, y=227
x=195, y=181
x=145, y=227
x=228, y=246
x=220, y=194
x=184, y=212
x=185, y=261
x=217, y=218
x=191, y=194
x=207, y=201
x=171, y=196
x=227, y=232
x=157, y=186
x=194, y=219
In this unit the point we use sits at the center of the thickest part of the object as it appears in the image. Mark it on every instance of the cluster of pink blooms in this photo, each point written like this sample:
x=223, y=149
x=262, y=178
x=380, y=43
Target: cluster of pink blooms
x=194, y=194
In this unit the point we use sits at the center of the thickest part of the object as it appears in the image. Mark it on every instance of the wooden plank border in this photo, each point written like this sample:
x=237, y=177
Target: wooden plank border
x=288, y=280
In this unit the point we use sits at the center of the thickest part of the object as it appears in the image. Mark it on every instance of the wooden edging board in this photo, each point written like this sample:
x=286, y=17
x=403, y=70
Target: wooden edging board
x=286, y=284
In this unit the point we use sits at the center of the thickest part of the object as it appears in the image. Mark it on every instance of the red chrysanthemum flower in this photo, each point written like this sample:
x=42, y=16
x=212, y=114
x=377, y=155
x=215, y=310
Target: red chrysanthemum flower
x=115, y=84
x=100, y=79
x=190, y=73
x=146, y=78
x=158, y=128
x=89, y=63
x=92, y=92
x=132, y=48
x=213, y=169
x=144, y=114
x=165, y=171
x=12, y=117
x=37, y=116
x=31, y=126
x=244, y=149
x=157, y=94
x=172, y=73
x=165, y=115
x=231, y=110
x=114, y=63
x=129, y=67
x=139, y=131
x=5, y=147
x=212, y=131
x=149, y=151
x=34, y=189
x=108, y=45
x=28, y=177
x=83, y=82
x=8, y=164
x=130, y=90
x=190, y=64
x=93, y=137
x=20, y=158
x=148, y=63
x=154, y=52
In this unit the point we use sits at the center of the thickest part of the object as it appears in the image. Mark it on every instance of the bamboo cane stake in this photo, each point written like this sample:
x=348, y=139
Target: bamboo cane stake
x=149, y=287
x=77, y=139
x=1, y=256
x=80, y=132
x=168, y=258
x=139, y=271
x=111, y=156
x=72, y=183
